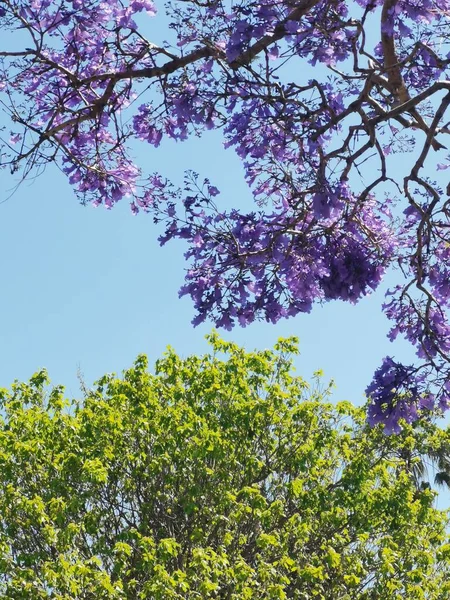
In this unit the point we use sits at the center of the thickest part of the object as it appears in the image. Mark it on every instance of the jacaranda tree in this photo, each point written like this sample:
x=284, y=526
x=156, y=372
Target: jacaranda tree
x=319, y=98
x=220, y=476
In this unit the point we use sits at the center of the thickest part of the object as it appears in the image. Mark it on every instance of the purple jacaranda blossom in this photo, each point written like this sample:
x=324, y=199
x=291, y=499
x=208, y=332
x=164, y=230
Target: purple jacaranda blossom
x=395, y=396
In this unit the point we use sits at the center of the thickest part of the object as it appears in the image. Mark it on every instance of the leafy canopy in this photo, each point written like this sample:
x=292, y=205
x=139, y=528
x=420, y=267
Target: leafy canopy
x=317, y=97
x=220, y=476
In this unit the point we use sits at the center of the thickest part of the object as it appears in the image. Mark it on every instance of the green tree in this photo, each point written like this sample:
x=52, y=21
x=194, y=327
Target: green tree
x=219, y=476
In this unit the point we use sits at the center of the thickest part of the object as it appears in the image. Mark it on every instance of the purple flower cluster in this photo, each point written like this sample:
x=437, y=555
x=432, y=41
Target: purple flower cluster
x=73, y=108
x=395, y=396
x=400, y=393
x=245, y=266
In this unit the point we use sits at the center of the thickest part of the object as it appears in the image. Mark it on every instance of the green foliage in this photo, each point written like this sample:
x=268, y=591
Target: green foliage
x=220, y=476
